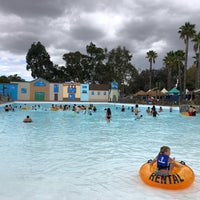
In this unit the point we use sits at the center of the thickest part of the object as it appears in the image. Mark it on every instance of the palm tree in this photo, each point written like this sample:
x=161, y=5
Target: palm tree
x=186, y=32
x=180, y=57
x=196, y=40
x=196, y=58
x=151, y=55
x=170, y=62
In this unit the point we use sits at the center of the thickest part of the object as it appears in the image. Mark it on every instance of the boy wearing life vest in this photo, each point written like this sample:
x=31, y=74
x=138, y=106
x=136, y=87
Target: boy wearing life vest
x=165, y=164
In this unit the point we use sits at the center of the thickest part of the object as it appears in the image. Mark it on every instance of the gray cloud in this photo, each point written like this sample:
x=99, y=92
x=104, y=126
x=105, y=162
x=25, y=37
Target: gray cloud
x=65, y=25
x=36, y=8
x=85, y=32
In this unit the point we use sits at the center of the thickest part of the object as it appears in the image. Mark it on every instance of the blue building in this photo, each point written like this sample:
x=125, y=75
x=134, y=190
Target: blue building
x=84, y=90
x=9, y=90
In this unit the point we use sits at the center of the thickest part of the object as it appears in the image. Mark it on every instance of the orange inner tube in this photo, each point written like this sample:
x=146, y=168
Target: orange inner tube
x=181, y=177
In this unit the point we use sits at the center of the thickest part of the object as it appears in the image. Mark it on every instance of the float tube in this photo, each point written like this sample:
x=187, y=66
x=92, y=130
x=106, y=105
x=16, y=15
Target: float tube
x=180, y=177
x=25, y=108
x=185, y=114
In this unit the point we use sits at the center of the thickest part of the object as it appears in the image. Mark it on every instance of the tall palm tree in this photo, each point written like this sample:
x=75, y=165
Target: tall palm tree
x=186, y=32
x=196, y=40
x=196, y=58
x=151, y=55
x=180, y=57
x=170, y=62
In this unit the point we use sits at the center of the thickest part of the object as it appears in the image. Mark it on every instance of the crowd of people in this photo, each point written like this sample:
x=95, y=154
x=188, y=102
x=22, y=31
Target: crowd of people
x=90, y=109
x=163, y=160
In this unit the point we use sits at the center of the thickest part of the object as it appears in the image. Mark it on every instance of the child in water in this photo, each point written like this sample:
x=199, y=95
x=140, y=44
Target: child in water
x=165, y=164
x=139, y=117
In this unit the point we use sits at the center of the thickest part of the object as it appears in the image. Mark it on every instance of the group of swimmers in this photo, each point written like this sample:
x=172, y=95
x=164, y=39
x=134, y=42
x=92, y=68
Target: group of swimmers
x=8, y=108
x=164, y=162
x=151, y=111
x=21, y=107
x=75, y=108
x=90, y=109
x=134, y=110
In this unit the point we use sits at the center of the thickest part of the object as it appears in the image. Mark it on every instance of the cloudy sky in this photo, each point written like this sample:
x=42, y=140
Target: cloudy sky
x=69, y=25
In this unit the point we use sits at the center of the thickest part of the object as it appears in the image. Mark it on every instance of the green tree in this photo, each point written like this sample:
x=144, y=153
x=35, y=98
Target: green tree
x=174, y=64
x=59, y=75
x=15, y=78
x=170, y=62
x=180, y=57
x=90, y=68
x=142, y=80
x=96, y=64
x=4, y=79
x=151, y=56
x=186, y=32
x=158, y=79
x=191, y=72
x=119, y=67
x=76, y=67
x=196, y=58
x=196, y=40
x=38, y=61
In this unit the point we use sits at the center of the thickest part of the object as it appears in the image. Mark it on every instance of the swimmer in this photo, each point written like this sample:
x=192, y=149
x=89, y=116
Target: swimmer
x=122, y=108
x=136, y=109
x=160, y=109
x=108, y=114
x=139, y=117
x=27, y=119
x=148, y=110
x=94, y=109
x=153, y=111
x=6, y=108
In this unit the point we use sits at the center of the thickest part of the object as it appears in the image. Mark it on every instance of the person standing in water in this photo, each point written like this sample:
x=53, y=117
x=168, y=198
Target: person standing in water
x=153, y=111
x=136, y=109
x=108, y=114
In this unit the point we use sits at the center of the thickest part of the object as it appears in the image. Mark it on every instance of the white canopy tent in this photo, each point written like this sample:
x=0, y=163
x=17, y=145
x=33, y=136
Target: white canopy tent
x=164, y=91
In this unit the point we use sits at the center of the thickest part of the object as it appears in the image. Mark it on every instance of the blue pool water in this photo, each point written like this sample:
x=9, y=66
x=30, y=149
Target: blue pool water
x=68, y=156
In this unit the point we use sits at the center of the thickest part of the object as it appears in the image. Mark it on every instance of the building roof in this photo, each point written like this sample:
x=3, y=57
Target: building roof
x=99, y=87
x=35, y=80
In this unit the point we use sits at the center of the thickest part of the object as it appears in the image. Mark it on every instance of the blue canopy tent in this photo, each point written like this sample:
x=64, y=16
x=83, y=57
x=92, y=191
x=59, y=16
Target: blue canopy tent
x=174, y=93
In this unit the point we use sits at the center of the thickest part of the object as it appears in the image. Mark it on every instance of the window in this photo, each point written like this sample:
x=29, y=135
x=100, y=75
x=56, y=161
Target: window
x=39, y=83
x=56, y=88
x=84, y=86
x=24, y=90
x=114, y=85
x=71, y=90
x=98, y=93
x=84, y=91
x=92, y=92
x=104, y=93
